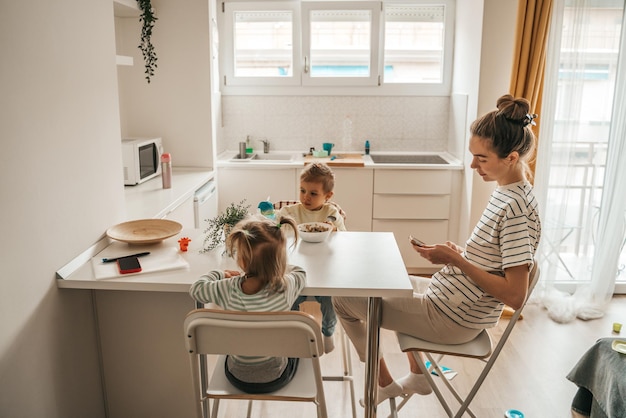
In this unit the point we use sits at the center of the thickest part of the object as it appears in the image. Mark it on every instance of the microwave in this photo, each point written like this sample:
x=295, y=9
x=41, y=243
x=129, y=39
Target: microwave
x=141, y=157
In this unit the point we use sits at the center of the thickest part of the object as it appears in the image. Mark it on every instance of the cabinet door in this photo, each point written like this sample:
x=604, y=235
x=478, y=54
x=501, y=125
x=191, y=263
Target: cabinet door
x=392, y=206
x=353, y=192
x=183, y=214
x=413, y=202
x=255, y=185
x=413, y=181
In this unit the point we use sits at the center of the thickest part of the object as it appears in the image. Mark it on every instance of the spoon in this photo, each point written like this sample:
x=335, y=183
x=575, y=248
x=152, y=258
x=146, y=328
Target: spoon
x=331, y=218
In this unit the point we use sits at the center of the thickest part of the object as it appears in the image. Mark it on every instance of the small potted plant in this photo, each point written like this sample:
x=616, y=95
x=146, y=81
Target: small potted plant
x=220, y=226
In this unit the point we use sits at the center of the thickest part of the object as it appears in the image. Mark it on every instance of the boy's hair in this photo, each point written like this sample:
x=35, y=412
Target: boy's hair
x=319, y=173
x=260, y=244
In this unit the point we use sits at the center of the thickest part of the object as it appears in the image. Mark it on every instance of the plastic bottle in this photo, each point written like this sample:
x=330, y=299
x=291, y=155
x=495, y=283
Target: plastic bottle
x=367, y=147
x=249, y=148
x=347, y=133
x=166, y=170
x=266, y=208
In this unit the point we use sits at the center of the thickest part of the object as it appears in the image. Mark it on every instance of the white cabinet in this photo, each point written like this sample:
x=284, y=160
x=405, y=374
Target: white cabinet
x=353, y=192
x=183, y=214
x=415, y=202
x=423, y=202
x=256, y=185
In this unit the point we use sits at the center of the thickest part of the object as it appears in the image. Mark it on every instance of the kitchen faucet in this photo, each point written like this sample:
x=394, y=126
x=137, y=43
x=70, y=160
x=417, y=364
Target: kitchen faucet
x=266, y=145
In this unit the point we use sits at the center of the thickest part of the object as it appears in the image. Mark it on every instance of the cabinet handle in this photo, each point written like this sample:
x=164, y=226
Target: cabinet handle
x=306, y=64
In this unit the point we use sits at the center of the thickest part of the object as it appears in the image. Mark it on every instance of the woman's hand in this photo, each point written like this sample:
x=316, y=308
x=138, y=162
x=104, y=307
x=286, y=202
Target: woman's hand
x=455, y=247
x=448, y=253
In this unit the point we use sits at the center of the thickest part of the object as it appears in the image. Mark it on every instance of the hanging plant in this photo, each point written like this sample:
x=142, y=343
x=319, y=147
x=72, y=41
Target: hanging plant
x=147, y=18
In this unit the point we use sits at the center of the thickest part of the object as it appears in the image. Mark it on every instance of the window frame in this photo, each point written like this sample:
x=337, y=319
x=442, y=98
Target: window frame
x=374, y=7
x=302, y=84
x=227, y=65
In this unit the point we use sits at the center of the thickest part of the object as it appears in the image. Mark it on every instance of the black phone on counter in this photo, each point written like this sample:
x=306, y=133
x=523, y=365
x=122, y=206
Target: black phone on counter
x=128, y=265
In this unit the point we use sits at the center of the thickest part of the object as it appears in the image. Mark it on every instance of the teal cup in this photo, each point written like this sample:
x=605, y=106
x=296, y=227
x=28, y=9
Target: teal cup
x=327, y=146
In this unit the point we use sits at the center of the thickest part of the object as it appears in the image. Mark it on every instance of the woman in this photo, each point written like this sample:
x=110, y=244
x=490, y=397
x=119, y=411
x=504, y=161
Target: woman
x=469, y=292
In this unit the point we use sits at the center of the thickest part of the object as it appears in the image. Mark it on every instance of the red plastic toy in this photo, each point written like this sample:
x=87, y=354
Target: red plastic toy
x=184, y=243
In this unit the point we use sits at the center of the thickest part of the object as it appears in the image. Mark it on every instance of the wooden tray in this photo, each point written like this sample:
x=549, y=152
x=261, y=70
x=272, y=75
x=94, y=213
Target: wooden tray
x=342, y=160
x=144, y=231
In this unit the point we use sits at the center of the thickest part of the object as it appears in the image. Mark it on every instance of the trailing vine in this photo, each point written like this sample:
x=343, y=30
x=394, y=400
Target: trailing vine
x=147, y=18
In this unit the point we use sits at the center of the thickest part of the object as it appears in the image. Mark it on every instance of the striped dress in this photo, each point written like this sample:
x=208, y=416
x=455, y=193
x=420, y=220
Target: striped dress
x=507, y=235
x=214, y=287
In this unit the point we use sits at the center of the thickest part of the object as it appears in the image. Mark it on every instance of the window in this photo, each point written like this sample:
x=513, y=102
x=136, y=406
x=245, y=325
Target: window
x=414, y=43
x=585, y=61
x=262, y=43
x=340, y=41
x=385, y=47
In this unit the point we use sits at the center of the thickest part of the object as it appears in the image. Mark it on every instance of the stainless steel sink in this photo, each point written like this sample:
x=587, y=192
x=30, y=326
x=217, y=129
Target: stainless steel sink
x=407, y=159
x=273, y=157
x=270, y=157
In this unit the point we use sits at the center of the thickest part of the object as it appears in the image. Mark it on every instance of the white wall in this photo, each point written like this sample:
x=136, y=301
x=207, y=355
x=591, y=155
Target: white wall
x=61, y=187
x=484, y=41
x=176, y=105
x=300, y=122
x=498, y=40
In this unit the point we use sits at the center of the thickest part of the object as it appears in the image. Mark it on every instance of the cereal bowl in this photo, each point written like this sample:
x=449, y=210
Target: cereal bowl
x=314, y=231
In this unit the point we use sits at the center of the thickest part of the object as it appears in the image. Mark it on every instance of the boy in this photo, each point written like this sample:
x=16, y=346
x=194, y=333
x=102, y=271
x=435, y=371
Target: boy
x=317, y=182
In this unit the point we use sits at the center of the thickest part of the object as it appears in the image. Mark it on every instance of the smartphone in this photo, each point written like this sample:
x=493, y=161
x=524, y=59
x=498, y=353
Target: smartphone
x=129, y=265
x=415, y=241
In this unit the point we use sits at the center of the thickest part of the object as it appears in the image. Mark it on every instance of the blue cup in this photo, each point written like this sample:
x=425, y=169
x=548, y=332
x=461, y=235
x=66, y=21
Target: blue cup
x=327, y=146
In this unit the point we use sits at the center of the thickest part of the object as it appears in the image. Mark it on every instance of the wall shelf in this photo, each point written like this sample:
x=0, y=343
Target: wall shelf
x=124, y=60
x=126, y=8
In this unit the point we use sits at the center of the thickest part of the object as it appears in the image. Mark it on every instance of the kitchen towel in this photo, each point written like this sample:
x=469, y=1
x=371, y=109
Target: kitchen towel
x=162, y=257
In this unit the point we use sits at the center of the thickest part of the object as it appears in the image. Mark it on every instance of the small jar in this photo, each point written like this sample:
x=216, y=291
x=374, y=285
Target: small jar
x=166, y=170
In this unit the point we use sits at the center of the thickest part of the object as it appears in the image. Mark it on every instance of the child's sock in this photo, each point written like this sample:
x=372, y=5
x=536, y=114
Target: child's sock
x=415, y=383
x=390, y=391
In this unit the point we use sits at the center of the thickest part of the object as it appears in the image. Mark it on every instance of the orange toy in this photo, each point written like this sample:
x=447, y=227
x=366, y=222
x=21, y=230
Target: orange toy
x=184, y=243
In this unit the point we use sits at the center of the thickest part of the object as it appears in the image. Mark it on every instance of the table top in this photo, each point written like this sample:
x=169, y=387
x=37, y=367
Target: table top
x=346, y=264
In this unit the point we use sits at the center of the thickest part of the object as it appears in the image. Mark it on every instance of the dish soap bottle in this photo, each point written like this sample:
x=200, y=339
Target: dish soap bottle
x=367, y=147
x=249, y=149
x=166, y=170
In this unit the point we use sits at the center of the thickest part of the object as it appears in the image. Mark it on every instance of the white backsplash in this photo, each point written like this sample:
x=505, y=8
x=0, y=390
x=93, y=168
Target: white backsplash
x=301, y=122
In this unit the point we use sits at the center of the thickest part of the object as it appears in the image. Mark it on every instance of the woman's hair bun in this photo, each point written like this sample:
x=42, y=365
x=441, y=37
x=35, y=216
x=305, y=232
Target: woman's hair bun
x=513, y=108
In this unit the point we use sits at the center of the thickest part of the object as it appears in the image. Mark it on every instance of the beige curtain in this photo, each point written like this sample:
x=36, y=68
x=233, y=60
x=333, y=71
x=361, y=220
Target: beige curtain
x=529, y=56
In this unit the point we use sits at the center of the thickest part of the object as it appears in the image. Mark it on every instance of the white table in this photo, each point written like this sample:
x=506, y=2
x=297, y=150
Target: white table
x=365, y=264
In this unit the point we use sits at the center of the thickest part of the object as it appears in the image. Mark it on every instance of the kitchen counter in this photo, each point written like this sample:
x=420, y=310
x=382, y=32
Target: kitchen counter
x=146, y=201
x=344, y=159
x=176, y=280
x=150, y=200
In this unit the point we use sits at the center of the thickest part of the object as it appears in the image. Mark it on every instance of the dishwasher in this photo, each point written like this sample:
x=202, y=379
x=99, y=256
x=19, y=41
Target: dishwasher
x=205, y=203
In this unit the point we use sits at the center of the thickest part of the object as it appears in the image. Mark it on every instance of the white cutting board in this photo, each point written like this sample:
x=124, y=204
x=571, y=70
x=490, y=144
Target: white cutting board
x=162, y=257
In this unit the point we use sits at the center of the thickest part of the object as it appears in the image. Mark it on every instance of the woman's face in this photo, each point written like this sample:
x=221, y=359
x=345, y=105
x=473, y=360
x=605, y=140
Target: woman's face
x=491, y=167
